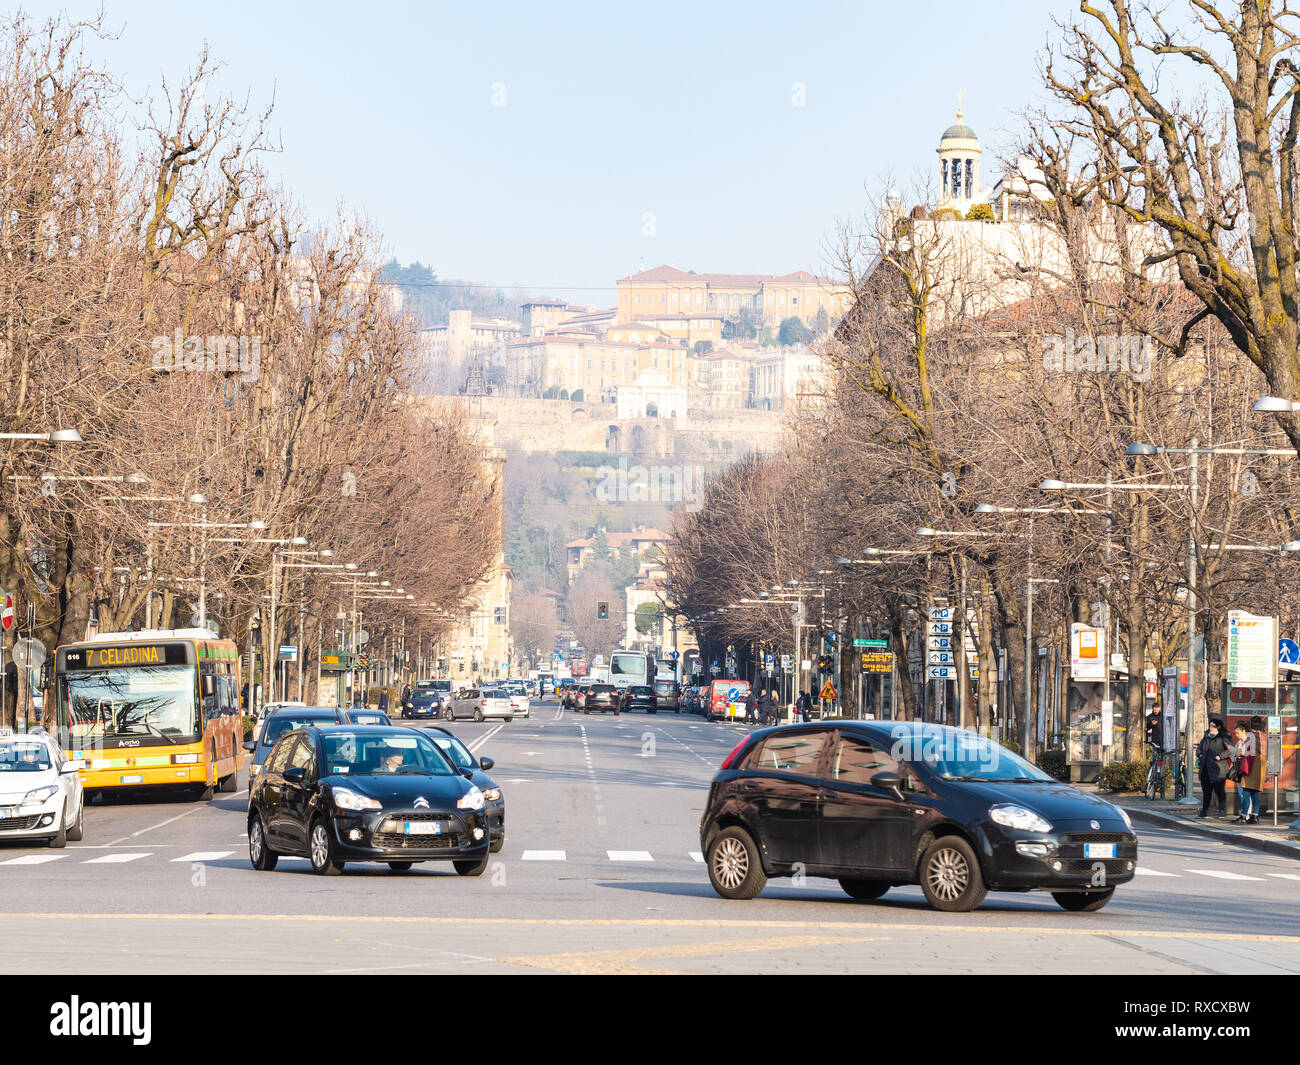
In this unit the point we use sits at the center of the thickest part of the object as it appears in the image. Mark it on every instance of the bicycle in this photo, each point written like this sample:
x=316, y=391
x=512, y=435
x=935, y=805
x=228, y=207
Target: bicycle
x=1156, y=774
x=1180, y=778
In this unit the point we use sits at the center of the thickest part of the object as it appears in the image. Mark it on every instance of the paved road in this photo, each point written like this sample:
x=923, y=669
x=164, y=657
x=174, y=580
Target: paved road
x=601, y=872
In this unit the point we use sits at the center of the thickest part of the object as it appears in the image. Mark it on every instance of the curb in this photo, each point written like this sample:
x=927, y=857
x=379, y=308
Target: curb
x=1280, y=847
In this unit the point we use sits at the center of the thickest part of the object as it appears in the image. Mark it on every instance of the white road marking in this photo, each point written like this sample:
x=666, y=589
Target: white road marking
x=1286, y=876
x=485, y=737
x=543, y=856
x=114, y=859
x=1223, y=874
x=630, y=856
x=696, y=856
x=34, y=859
x=1140, y=871
x=203, y=856
x=169, y=820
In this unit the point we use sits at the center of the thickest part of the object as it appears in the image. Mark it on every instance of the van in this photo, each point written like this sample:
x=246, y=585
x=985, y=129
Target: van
x=726, y=700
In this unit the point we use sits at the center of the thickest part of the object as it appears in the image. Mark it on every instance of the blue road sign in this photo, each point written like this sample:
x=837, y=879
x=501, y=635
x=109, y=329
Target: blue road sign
x=733, y=694
x=770, y=659
x=673, y=656
x=1288, y=651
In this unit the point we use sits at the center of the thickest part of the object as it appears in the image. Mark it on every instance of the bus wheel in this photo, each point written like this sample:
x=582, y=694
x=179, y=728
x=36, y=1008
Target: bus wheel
x=230, y=783
x=204, y=792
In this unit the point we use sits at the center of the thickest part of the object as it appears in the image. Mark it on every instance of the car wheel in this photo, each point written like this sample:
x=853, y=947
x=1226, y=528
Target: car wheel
x=77, y=830
x=497, y=843
x=322, y=850
x=735, y=870
x=400, y=867
x=509, y=719
x=950, y=876
x=1082, y=901
x=447, y=715
x=864, y=889
x=471, y=867
x=60, y=838
x=259, y=854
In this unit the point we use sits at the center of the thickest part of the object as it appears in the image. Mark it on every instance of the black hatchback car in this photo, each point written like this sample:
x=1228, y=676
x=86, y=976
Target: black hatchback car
x=342, y=793
x=639, y=697
x=476, y=769
x=602, y=697
x=879, y=804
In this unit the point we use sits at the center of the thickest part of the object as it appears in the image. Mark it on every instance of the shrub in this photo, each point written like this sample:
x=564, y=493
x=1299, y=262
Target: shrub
x=980, y=212
x=1053, y=764
x=1123, y=776
x=1011, y=744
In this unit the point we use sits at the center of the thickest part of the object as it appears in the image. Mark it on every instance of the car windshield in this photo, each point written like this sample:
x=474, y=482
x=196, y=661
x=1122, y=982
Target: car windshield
x=278, y=725
x=955, y=754
x=640, y=689
x=24, y=757
x=455, y=750
x=382, y=754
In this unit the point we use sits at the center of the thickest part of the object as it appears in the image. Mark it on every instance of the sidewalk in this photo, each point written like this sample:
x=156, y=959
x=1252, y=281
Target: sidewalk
x=1282, y=840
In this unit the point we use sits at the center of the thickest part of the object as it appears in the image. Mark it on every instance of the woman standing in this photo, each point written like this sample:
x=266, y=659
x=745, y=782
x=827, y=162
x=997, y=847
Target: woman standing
x=1251, y=766
x=1212, y=756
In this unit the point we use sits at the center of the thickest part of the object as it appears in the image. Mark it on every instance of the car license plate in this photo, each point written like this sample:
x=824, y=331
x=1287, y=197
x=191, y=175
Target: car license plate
x=1099, y=850
x=133, y=780
x=423, y=828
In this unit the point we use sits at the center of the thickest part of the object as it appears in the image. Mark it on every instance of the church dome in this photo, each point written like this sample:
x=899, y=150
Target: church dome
x=959, y=131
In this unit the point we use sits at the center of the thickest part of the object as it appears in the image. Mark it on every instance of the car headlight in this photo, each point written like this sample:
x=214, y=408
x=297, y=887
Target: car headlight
x=471, y=800
x=254, y=769
x=39, y=795
x=1017, y=817
x=1124, y=814
x=492, y=794
x=346, y=799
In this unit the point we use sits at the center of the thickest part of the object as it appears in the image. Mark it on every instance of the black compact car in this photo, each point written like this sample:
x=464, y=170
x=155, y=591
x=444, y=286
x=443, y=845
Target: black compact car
x=639, y=697
x=602, y=697
x=463, y=759
x=340, y=793
x=874, y=804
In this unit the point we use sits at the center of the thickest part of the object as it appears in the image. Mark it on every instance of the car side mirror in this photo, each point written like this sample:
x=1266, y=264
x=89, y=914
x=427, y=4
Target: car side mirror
x=249, y=745
x=295, y=774
x=468, y=774
x=486, y=763
x=889, y=782
x=73, y=765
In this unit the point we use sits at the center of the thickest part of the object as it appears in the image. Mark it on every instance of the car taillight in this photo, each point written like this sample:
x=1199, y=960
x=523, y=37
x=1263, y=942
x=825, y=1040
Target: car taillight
x=726, y=764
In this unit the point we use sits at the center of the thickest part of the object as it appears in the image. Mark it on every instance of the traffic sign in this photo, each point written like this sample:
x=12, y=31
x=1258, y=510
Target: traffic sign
x=27, y=654
x=828, y=691
x=733, y=694
x=941, y=672
x=941, y=613
x=673, y=656
x=942, y=658
x=877, y=662
x=940, y=643
x=7, y=613
x=940, y=628
x=859, y=642
x=785, y=663
x=770, y=659
x=875, y=643
x=1288, y=651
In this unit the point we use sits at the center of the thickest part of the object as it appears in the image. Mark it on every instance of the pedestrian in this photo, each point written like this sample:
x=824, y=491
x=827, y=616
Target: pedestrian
x=751, y=707
x=406, y=699
x=764, y=708
x=804, y=706
x=1212, y=756
x=383, y=701
x=1250, y=767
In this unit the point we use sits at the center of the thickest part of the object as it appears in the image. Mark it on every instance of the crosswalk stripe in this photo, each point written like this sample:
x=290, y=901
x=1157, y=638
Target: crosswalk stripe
x=696, y=856
x=203, y=856
x=1286, y=876
x=116, y=859
x=630, y=856
x=1223, y=874
x=1141, y=871
x=34, y=859
x=542, y=856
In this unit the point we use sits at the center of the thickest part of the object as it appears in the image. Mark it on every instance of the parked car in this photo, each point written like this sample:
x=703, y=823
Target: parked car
x=278, y=722
x=638, y=697
x=602, y=697
x=667, y=695
x=41, y=795
x=479, y=703
x=366, y=717
x=334, y=794
x=464, y=759
x=878, y=804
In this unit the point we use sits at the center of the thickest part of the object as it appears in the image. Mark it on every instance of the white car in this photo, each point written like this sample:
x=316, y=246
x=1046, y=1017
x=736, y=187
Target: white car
x=480, y=704
x=518, y=692
x=40, y=791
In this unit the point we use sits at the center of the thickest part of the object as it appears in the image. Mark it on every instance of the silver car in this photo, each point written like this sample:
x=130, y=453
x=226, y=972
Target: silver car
x=480, y=704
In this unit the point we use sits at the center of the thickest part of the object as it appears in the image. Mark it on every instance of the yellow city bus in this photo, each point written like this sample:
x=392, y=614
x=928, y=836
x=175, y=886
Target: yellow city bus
x=151, y=709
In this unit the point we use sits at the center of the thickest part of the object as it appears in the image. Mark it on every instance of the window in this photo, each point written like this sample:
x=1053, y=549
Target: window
x=855, y=761
x=797, y=752
x=280, y=755
x=304, y=757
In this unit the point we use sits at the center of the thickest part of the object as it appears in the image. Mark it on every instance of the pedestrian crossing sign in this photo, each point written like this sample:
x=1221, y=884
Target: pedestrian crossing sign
x=828, y=691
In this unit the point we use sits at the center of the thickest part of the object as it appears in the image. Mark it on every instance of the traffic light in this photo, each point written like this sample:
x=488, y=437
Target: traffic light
x=823, y=663
x=602, y=611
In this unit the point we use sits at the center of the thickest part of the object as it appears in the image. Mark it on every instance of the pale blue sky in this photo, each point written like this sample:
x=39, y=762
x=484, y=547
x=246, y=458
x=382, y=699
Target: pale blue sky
x=611, y=110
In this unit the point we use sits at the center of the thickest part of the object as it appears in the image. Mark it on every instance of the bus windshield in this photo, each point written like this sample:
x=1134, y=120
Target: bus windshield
x=628, y=664
x=110, y=705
